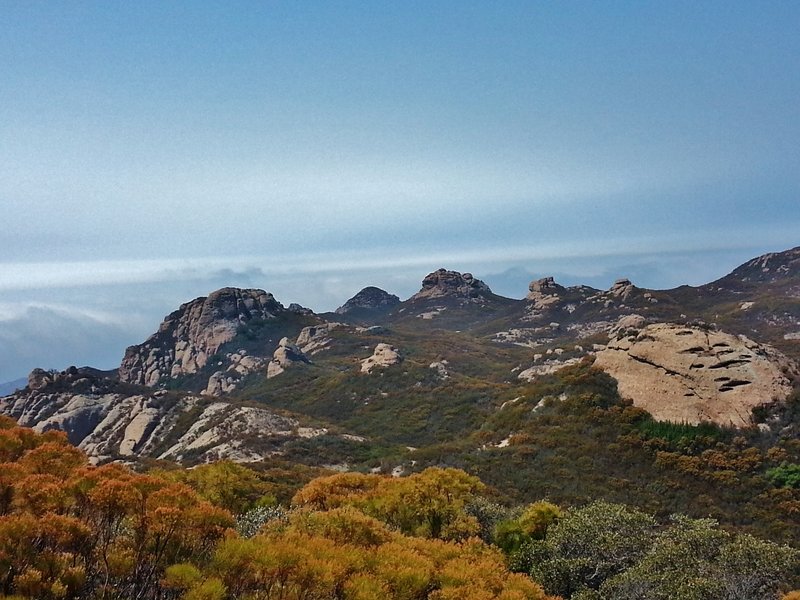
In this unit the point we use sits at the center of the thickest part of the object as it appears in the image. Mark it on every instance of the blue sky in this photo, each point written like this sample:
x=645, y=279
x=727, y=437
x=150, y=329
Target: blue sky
x=313, y=148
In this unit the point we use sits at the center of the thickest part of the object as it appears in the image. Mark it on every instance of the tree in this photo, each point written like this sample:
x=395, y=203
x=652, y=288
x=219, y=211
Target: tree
x=588, y=545
x=695, y=560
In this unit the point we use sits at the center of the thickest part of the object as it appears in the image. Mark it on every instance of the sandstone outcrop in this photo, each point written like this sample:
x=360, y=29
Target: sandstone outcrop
x=188, y=337
x=240, y=364
x=622, y=288
x=690, y=374
x=315, y=338
x=383, y=356
x=108, y=422
x=545, y=368
x=285, y=356
x=544, y=292
x=369, y=298
x=444, y=283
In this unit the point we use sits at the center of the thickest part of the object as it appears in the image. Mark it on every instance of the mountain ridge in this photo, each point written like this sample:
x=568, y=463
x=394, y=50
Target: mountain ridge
x=396, y=362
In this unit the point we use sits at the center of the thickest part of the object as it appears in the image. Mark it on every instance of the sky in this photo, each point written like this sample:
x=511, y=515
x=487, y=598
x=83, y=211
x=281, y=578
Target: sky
x=151, y=152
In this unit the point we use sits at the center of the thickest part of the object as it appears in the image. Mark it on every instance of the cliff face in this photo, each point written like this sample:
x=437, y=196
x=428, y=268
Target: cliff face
x=191, y=335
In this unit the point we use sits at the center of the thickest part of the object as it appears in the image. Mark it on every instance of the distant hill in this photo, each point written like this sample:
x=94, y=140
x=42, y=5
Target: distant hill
x=9, y=387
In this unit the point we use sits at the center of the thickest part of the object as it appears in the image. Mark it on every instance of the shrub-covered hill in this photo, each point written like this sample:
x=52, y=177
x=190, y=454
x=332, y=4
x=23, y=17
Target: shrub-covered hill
x=571, y=438
x=72, y=531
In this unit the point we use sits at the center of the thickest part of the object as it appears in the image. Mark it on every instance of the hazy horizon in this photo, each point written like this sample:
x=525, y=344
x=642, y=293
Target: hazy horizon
x=152, y=152
x=91, y=321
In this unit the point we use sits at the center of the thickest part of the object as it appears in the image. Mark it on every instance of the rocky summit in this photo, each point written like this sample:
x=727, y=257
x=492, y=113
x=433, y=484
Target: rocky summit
x=444, y=283
x=370, y=298
x=192, y=334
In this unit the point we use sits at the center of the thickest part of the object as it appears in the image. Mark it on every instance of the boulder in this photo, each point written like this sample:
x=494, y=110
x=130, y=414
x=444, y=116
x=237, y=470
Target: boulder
x=692, y=374
x=285, y=356
x=383, y=356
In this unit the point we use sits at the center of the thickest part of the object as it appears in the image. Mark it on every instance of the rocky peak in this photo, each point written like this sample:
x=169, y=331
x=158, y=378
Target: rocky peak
x=543, y=292
x=622, y=288
x=40, y=379
x=188, y=337
x=444, y=283
x=299, y=309
x=73, y=379
x=369, y=298
x=545, y=284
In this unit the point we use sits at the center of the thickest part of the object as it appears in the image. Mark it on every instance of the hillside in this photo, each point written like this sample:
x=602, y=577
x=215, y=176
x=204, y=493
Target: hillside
x=522, y=392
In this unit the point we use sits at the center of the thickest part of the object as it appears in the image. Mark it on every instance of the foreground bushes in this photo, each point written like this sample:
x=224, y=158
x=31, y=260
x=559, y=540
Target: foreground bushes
x=72, y=531
x=69, y=530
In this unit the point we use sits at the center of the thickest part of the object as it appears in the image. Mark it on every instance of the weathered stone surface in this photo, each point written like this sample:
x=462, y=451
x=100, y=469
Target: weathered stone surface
x=622, y=288
x=299, y=309
x=101, y=417
x=315, y=338
x=543, y=293
x=441, y=367
x=240, y=364
x=383, y=356
x=628, y=322
x=691, y=374
x=221, y=430
x=285, y=355
x=369, y=298
x=188, y=337
x=444, y=283
x=545, y=368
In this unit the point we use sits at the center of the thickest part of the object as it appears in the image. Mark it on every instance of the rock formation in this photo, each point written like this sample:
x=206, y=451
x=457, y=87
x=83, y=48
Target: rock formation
x=544, y=292
x=108, y=421
x=622, y=288
x=690, y=374
x=383, y=356
x=240, y=364
x=196, y=331
x=285, y=355
x=444, y=283
x=369, y=298
x=315, y=338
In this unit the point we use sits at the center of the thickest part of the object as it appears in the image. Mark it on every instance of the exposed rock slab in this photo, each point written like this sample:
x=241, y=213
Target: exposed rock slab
x=690, y=374
x=315, y=338
x=240, y=364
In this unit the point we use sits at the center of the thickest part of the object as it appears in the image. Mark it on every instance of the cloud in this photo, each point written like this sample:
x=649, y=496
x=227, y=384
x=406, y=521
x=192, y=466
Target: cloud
x=44, y=336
